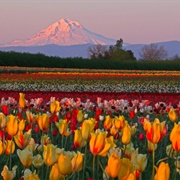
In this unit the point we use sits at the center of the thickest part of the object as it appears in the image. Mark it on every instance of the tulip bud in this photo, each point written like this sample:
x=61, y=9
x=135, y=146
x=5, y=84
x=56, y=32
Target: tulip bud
x=172, y=115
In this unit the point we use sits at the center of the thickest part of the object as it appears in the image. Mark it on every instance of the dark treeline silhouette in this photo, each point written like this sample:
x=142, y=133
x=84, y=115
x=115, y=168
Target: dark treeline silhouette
x=40, y=60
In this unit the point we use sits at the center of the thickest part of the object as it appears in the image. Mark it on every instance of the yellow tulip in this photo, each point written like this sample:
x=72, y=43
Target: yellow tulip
x=10, y=147
x=30, y=117
x=43, y=122
x=114, y=130
x=131, y=177
x=99, y=144
x=174, y=137
x=32, y=145
x=77, y=162
x=113, y=166
x=139, y=161
x=37, y=161
x=3, y=120
x=126, y=134
x=119, y=122
x=62, y=126
x=7, y=174
x=80, y=116
x=151, y=146
x=12, y=125
x=133, y=130
x=155, y=130
x=22, y=139
x=87, y=128
x=22, y=101
x=64, y=164
x=50, y=156
x=55, y=107
x=125, y=169
x=172, y=115
x=162, y=172
x=25, y=156
x=108, y=122
x=55, y=174
x=28, y=175
x=79, y=142
x=22, y=124
x=2, y=146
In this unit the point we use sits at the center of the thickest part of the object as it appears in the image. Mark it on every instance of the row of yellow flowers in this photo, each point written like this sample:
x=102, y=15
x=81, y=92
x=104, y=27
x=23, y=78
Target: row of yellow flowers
x=110, y=148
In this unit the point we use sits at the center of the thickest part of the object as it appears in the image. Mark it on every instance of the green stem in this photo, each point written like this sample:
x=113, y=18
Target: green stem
x=47, y=173
x=65, y=142
x=102, y=168
x=10, y=161
x=84, y=166
x=176, y=166
x=153, y=154
x=94, y=159
x=62, y=139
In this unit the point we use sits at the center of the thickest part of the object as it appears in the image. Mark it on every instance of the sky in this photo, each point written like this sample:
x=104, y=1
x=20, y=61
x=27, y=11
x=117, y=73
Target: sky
x=135, y=21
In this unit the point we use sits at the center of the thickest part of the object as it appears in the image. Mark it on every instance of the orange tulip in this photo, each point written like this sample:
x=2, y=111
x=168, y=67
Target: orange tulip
x=43, y=122
x=87, y=128
x=2, y=146
x=119, y=122
x=12, y=125
x=175, y=136
x=162, y=172
x=79, y=142
x=62, y=126
x=3, y=120
x=22, y=101
x=10, y=147
x=55, y=107
x=99, y=144
x=126, y=134
x=30, y=117
x=155, y=131
x=8, y=174
x=22, y=124
x=77, y=162
x=108, y=122
x=113, y=166
x=55, y=174
x=126, y=169
x=22, y=139
x=50, y=155
x=172, y=115
x=64, y=164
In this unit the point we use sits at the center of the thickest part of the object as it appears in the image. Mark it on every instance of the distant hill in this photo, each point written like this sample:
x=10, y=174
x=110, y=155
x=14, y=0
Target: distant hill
x=68, y=38
x=81, y=50
x=172, y=47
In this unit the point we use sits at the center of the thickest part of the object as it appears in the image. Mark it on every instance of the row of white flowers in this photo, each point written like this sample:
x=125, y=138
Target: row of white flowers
x=115, y=86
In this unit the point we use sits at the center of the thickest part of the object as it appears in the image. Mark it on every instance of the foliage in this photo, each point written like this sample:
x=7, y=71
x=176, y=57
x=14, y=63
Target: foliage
x=153, y=52
x=40, y=60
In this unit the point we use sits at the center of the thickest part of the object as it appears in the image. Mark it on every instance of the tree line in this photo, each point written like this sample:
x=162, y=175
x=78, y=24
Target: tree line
x=117, y=52
x=40, y=60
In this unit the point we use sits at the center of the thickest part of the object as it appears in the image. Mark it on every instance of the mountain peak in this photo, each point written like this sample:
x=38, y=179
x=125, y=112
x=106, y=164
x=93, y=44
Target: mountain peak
x=64, y=32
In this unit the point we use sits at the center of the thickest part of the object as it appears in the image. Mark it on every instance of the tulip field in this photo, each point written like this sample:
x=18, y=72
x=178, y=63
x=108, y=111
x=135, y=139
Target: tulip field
x=89, y=124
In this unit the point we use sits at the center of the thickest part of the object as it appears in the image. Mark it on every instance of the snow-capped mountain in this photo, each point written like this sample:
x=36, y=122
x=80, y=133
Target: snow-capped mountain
x=64, y=32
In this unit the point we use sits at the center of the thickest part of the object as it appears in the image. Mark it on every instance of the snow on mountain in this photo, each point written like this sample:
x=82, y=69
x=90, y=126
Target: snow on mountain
x=63, y=32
